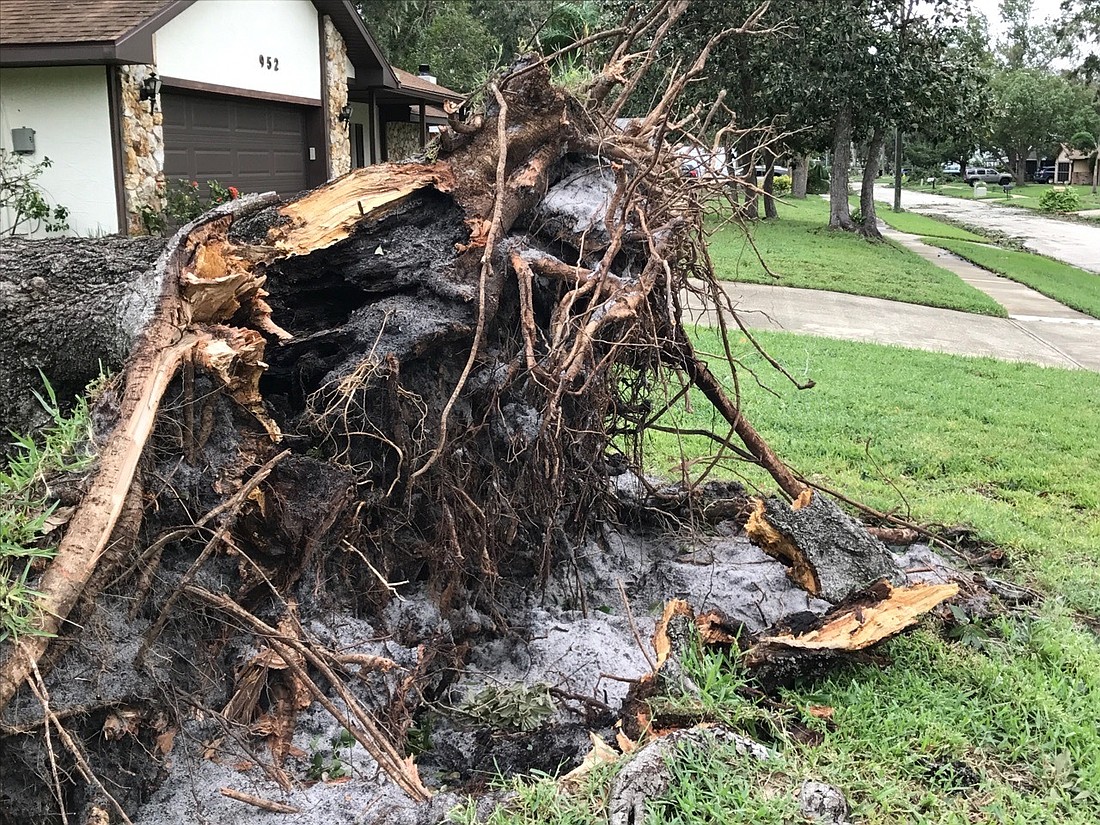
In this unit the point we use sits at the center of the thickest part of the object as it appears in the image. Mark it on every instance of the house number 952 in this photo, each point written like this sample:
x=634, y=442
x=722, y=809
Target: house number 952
x=269, y=62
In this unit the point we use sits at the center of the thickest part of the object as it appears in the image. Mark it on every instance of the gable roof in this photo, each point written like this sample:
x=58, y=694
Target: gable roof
x=90, y=32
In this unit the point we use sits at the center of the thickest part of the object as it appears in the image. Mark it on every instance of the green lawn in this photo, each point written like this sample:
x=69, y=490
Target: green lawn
x=996, y=724
x=917, y=224
x=1064, y=283
x=1008, y=448
x=1004, y=731
x=804, y=252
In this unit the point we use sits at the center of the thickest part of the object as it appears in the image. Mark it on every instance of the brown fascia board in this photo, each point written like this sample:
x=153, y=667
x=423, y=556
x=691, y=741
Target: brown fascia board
x=133, y=46
x=136, y=45
x=57, y=54
x=371, y=67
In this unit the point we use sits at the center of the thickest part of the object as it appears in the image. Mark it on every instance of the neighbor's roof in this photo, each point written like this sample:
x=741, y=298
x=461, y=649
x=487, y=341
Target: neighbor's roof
x=90, y=32
x=410, y=82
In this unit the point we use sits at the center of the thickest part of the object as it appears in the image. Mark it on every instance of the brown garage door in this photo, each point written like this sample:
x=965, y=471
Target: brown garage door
x=254, y=145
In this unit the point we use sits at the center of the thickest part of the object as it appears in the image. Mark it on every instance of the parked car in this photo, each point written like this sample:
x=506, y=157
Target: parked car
x=762, y=170
x=951, y=169
x=697, y=162
x=988, y=176
x=1045, y=175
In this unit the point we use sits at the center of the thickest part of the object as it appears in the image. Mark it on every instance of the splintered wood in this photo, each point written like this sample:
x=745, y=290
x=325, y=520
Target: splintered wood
x=885, y=612
x=330, y=214
x=829, y=554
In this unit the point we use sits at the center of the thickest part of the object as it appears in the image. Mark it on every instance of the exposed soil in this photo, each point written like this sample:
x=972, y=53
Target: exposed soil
x=164, y=756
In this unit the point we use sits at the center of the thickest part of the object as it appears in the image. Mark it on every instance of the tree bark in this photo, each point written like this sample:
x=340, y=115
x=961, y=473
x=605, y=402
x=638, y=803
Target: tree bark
x=840, y=213
x=68, y=306
x=897, y=169
x=769, y=188
x=1019, y=165
x=800, y=173
x=868, y=219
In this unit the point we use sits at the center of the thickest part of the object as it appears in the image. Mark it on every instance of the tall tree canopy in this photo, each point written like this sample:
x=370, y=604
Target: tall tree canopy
x=463, y=40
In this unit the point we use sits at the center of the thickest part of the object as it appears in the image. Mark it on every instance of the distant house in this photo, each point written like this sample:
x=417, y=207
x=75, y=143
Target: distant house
x=1073, y=167
x=124, y=95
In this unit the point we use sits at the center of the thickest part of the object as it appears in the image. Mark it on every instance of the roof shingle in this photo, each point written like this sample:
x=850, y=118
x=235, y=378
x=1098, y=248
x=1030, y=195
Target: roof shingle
x=41, y=22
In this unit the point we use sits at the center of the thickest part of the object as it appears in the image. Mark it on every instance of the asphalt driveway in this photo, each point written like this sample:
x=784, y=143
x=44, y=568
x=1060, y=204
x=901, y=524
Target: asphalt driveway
x=1075, y=243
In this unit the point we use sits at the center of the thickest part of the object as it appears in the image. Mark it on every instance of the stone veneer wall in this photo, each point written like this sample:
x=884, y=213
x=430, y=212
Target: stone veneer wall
x=336, y=85
x=142, y=150
x=402, y=140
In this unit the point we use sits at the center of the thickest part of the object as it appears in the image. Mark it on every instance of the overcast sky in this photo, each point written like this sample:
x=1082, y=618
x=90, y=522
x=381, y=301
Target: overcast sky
x=1041, y=10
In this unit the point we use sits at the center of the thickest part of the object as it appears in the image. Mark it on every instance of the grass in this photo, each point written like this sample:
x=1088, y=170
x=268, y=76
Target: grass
x=992, y=721
x=1064, y=283
x=1008, y=448
x=917, y=224
x=804, y=252
x=24, y=509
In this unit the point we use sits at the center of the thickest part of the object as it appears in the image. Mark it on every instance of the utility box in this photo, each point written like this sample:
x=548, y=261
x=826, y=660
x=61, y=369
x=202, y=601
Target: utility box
x=22, y=141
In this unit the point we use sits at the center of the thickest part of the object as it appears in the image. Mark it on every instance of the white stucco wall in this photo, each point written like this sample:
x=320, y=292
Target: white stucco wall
x=220, y=42
x=67, y=107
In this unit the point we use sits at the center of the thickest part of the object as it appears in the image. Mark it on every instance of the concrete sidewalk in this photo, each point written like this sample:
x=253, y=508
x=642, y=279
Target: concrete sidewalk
x=1074, y=243
x=1019, y=300
x=1065, y=342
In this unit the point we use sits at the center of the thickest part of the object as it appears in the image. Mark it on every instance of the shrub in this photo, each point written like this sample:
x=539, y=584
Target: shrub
x=20, y=194
x=1059, y=200
x=781, y=185
x=817, y=181
x=186, y=200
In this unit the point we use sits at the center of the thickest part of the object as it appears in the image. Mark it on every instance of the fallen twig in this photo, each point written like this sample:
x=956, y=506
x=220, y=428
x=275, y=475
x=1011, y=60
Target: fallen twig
x=259, y=802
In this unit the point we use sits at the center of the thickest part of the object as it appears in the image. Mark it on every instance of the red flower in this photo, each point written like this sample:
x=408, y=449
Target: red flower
x=194, y=184
x=234, y=193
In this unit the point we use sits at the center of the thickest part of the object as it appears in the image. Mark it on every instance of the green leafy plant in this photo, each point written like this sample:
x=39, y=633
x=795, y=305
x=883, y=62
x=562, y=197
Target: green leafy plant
x=516, y=707
x=21, y=194
x=1059, y=200
x=153, y=221
x=781, y=185
x=326, y=765
x=185, y=200
x=63, y=446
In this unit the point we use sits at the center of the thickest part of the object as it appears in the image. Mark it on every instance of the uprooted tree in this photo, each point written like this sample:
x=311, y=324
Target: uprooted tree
x=417, y=371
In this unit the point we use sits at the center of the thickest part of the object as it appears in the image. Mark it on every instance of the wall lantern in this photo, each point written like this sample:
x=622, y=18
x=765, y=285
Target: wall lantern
x=345, y=114
x=150, y=89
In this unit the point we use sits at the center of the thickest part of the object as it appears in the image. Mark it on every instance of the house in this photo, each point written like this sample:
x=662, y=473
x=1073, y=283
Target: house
x=1073, y=167
x=124, y=95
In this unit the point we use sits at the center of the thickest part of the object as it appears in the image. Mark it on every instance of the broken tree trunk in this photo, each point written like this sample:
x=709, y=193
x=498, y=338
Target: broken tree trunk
x=829, y=553
x=68, y=307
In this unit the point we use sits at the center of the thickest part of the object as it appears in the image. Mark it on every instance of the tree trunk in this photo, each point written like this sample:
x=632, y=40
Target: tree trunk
x=1096, y=167
x=68, y=306
x=748, y=182
x=800, y=173
x=769, y=188
x=1019, y=166
x=897, y=169
x=868, y=219
x=840, y=214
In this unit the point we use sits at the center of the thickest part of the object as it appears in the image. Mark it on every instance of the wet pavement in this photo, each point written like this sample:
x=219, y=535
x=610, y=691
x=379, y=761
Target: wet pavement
x=1072, y=242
